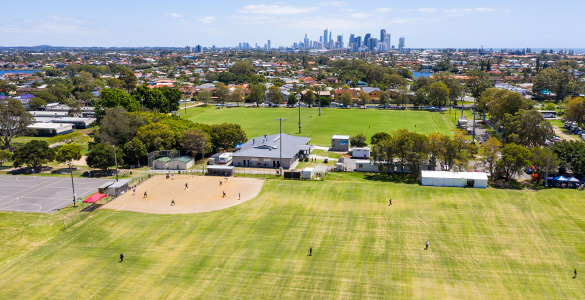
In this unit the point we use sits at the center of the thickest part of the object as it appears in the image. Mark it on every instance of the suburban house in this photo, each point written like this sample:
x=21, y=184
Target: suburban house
x=352, y=92
x=265, y=151
x=374, y=93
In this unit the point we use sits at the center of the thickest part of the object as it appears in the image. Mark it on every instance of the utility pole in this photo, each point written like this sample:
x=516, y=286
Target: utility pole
x=116, y=161
x=547, y=162
x=280, y=140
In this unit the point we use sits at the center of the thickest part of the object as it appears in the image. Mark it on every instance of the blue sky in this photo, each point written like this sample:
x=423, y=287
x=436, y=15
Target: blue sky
x=429, y=24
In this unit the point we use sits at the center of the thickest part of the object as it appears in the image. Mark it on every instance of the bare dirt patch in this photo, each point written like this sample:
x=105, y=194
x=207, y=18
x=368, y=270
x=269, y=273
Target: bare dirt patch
x=204, y=194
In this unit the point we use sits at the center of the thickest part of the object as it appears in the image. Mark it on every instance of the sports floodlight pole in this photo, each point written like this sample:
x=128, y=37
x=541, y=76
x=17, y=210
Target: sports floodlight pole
x=72, y=184
x=547, y=162
x=116, y=161
x=280, y=139
x=299, y=115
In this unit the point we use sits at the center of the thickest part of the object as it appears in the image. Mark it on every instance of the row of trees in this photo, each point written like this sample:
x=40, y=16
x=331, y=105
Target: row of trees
x=164, y=100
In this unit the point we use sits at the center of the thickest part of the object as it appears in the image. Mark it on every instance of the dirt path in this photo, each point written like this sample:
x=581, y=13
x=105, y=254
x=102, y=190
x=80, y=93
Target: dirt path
x=564, y=135
x=204, y=194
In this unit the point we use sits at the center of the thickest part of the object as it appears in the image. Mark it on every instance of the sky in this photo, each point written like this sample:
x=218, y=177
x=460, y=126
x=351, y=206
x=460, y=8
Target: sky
x=178, y=23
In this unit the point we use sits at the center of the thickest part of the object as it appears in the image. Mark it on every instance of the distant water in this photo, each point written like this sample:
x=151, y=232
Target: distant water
x=421, y=74
x=2, y=72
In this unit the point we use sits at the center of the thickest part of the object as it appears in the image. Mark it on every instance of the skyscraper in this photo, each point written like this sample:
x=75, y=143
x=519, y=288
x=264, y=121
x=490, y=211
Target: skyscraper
x=339, y=43
x=325, y=36
x=366, y=38
x=401, y=43
x=306, y=42
x=382, y=35
x=269, y=45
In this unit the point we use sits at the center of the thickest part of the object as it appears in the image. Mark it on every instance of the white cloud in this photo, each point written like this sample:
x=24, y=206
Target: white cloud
x=174, y=15
x=333, y=3
x=207, y=19
x=383, y=9
x=360, y=15
x=455, y=12
x=507, y=11
x=486, y=9
x=274, y=9
x=428, y=10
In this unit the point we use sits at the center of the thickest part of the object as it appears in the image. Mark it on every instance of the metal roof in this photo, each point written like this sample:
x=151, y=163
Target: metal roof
x=269, y=146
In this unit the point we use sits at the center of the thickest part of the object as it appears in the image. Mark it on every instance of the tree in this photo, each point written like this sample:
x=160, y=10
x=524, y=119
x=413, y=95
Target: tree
x=5, y=156
x=257, y=93
x=274, y=94
x=438, y=94
x=222, y=92
x=358, y=140
x=36, y=103
x=364, y=97
x=114, y=97
x=575, y=110
x=417, y=153
x=531, y=128
x=383, y=153
x=6, y=87
x=501, y=102
x=172, y=96
x=101, y=156
x=134, y=151
x=454, y=85
x=540, y=160
x=378, y=137
x=14, y=120
x=242, y=68
x=204, y=96
x=394, y=81
x=226, y=136
x=514, y=159
x=195, y=142
x=33, y=154
x=346, y=99
x=478, y=82
x=128, y=78
x=118, y=126
x=571, y=155
x=292, y=100
x=310, y=97
x=237, y=95
x=156, y=136
x=489, y=150
x=154, y=99
x=384, y=98
x=68, y=153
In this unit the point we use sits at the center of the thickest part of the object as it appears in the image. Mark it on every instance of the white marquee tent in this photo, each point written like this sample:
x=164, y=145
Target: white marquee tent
x=454, y=179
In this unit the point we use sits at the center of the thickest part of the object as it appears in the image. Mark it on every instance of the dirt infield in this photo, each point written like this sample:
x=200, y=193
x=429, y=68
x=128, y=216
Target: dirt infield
x=204, y=194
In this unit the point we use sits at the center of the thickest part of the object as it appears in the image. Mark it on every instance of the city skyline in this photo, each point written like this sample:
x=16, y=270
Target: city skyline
x=452, y=24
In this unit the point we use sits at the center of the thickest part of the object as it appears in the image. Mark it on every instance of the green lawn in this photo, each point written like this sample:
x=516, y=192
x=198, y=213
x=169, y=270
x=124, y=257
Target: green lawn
x=260, y=121
x=484, y=244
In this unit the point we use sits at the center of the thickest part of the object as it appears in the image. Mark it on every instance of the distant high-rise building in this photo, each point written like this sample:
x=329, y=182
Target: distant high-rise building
x=387, y=42
x=325, y=36
x=306, y=42
x=382, y=35
x=198, y=49
x=339, y=41
x=357, y=44
x=372, y=44
x=330, y=40
x=366, y=38
x=268, y=45
x=401, y=44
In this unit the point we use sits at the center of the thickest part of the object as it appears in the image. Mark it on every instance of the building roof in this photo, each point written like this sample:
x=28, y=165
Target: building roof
x=164, y=159
x=456, y=175
x=340, y=137
x=268, y=146
x=184, y=159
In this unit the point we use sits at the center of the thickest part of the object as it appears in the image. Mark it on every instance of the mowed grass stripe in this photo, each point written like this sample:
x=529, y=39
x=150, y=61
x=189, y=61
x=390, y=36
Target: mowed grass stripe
x=484, y=244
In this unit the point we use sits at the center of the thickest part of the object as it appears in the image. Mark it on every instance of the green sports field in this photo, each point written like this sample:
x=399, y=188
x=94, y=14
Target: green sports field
x=260, y=121
x=484, y=244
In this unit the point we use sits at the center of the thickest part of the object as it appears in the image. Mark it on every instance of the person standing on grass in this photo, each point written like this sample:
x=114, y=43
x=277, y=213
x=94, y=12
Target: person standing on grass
x=239, y=196
x=426, y=245
x=575, y=274
x=121, y=257
x=390, y=202
x=310, y=251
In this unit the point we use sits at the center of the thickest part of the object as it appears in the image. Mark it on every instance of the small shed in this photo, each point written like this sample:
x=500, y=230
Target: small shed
x=117, y=188
x=363, y=165
x=454, y=179
x=361, y=152
x=161, y=163
x=308, y=173
x=340, y=143
x=180, y=163
x=217, y=170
